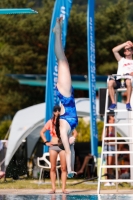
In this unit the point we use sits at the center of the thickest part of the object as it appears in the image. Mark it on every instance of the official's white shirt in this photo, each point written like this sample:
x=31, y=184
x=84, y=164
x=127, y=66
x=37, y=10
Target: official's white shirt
x=125, y=66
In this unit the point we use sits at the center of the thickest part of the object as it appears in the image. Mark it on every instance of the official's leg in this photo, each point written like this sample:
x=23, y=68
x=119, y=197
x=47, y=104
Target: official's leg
x=129, y=89
x=111, y=85
x=110, y=162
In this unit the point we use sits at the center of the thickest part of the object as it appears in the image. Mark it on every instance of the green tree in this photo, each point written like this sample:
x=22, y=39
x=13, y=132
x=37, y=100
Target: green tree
x=23, y=50
x=112, y=28
x=24, y=46
x=76, y=45
x=4, y=127
x=83, y=130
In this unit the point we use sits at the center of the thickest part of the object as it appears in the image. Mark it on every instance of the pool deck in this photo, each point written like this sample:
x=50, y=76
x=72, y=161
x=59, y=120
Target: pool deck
x=59, y=192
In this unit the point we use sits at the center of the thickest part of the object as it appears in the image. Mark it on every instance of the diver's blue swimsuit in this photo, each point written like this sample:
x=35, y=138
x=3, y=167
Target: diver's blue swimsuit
x=70, y=114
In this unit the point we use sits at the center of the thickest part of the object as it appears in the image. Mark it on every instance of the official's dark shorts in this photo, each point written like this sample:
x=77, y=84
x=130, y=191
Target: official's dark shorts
x=118, y=84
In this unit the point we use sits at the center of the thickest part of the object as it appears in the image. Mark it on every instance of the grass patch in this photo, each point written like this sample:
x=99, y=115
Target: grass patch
x=33, y=184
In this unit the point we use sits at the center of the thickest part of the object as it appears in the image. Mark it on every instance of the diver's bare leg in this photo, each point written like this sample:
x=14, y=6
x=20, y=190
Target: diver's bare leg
x=64, y=76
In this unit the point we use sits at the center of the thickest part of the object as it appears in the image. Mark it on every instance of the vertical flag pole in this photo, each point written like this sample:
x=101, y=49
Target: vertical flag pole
x=92, y=75
x=61, y=9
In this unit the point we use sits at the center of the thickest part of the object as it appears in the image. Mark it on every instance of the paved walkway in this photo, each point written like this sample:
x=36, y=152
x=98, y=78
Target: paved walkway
x=72, y=192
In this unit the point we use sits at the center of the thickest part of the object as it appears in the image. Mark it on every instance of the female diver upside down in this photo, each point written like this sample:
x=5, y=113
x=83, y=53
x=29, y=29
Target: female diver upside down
x=68, y=114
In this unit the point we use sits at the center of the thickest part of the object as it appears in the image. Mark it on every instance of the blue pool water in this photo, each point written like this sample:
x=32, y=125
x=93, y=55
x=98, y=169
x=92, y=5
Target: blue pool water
x=67, y=197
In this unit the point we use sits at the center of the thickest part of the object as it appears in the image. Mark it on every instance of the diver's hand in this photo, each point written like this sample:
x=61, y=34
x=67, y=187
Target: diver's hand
x=71, y=140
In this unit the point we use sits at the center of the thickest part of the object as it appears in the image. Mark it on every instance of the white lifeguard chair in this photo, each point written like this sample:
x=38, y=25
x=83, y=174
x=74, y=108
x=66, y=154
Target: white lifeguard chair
x=116, y=140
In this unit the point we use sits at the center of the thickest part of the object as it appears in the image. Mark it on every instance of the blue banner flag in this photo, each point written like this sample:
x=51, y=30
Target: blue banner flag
x=92, y=75
x=61, y=9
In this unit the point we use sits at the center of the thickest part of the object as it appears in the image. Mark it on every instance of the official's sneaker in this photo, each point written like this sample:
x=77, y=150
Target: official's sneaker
x=112, y=106
x=128, y=107
x=108, y=184
x=112, y=184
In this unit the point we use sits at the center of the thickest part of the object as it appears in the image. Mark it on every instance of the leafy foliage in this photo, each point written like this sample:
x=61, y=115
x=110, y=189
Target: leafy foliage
x=112, y=28
x=23, y=49
x=4, y=127
x=83, y=130
x=24, y=45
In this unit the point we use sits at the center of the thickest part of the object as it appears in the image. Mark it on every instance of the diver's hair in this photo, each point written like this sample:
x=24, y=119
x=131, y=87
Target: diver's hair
x=57, y=127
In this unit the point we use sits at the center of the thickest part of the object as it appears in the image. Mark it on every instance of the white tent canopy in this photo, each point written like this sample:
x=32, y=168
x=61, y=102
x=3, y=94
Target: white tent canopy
x=29, y=121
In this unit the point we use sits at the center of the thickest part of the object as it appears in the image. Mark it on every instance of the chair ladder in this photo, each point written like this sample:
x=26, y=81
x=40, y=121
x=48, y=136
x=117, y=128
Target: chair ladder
x=129, y=140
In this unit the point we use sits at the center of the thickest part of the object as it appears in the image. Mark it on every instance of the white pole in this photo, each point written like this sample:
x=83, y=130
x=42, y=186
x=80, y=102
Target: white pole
x=131, y=135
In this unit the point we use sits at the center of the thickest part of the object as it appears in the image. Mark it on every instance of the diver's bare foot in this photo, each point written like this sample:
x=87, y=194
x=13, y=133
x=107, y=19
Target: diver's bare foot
x=58, y=24
x=60, y=19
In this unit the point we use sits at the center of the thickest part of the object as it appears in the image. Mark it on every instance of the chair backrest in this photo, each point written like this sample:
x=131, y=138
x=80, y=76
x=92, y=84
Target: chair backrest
x=46, y=159
x=46, y=164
